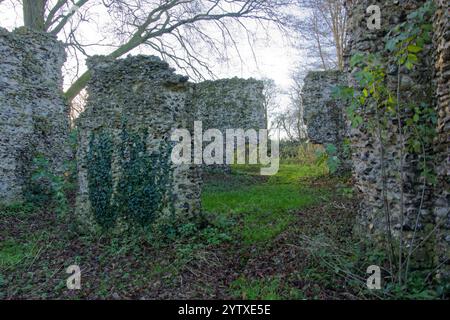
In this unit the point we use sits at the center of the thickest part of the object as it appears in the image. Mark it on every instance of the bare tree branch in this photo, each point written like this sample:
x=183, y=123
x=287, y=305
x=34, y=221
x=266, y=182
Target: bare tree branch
x=184, y=20
x=323, y=31
x=66, y=17
x=188, y=33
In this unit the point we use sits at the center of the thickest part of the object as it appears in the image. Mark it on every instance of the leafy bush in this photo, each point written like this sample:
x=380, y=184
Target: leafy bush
x=46, y=187
x=330, y=157
x=299, y=152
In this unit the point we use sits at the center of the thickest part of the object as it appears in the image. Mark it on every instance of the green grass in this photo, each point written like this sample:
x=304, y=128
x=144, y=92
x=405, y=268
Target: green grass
x=18, y=210
x=13, y=253
x=245, y=215
x=293, y=173
x=261, y=199
x=271, y=288
x=266, y=207
x=261, y=289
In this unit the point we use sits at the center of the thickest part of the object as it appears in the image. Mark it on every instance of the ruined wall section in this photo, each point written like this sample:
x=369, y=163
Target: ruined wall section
x=124, y=154
x=33, y=113
x=324, y=115
x=371, y=160
x=441, y=41
x=229, y=104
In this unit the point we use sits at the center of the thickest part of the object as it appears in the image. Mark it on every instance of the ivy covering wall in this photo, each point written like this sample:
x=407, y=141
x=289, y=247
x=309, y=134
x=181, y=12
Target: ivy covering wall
x=125, y=173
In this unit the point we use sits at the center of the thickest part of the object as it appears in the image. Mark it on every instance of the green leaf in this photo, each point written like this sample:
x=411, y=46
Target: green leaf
x=391, y=44
x=409, y=65
x=356, y=59
x=358, y=120
x=365, y=92
x=427, y=27
x=331, y=149
x=414, y=49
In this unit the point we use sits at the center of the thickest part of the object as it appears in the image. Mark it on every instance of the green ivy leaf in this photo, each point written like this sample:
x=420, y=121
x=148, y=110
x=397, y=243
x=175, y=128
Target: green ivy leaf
x=365, y=92
x=414, y=49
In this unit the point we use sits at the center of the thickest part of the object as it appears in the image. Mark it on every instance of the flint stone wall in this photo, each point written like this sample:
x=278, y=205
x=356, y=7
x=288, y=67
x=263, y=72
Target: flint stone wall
x=133, y=105
x=442, y=146
x=228, y=104
x=324, y=115
x=366, y=157
x=33, y=113
x=366, y=149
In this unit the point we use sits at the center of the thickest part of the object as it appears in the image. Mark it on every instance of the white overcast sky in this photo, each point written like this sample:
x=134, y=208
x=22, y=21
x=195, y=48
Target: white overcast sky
x=276, y=58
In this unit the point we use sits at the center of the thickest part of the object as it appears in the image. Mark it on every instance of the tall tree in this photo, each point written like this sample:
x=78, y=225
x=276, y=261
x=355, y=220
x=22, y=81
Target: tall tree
x=290, y=122
x=271, y=94
x=322, y=29
x=33, y=14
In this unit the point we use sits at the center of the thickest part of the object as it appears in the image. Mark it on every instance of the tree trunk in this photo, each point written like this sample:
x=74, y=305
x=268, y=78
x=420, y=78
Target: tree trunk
x=33, y=14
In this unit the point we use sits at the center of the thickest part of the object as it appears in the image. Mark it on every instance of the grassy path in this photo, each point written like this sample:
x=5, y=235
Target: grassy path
x=265, y=206
x=257, y=245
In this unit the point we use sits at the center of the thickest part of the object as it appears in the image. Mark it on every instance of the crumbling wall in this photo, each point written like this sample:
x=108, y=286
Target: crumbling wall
x=377, y=168
x=125, y=171
x=33, y=113
x=229, y=104
x=324, y=115
x=441, y=41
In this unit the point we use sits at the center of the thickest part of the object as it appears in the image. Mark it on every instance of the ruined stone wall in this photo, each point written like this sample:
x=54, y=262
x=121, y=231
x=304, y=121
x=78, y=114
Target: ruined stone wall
x=324, y=115
x=229, y=104
x=371, y=160
x=367, y=152
x=33, y=114
x=125, y=171
x=442, y=146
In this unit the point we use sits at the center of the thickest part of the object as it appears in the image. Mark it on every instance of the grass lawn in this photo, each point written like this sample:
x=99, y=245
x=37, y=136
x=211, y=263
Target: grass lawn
x=266, y=207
